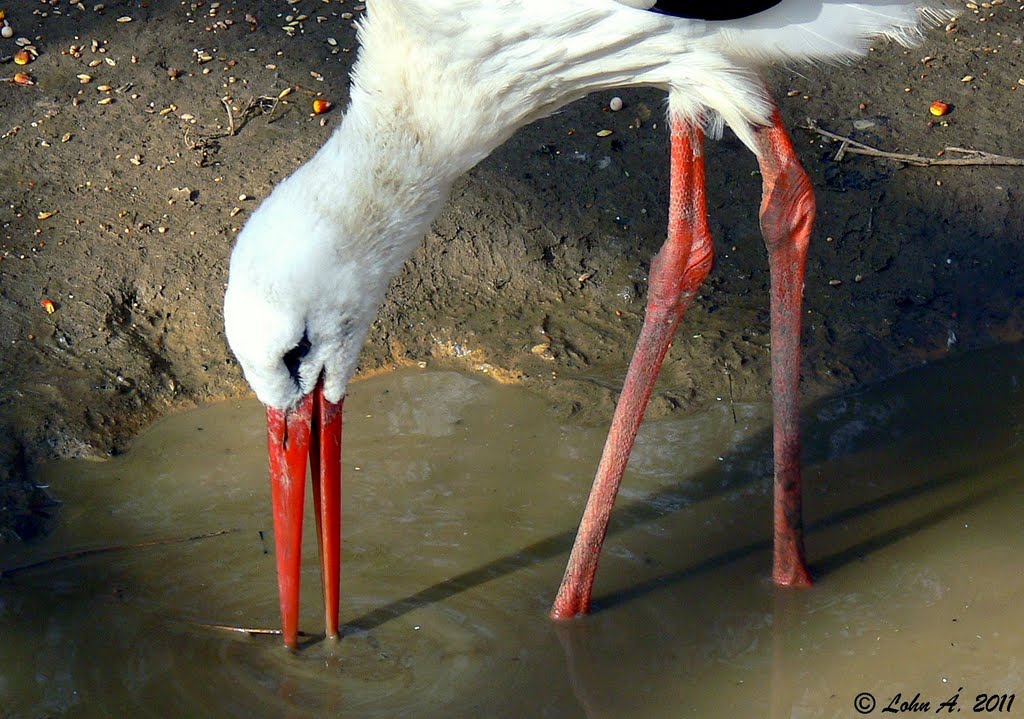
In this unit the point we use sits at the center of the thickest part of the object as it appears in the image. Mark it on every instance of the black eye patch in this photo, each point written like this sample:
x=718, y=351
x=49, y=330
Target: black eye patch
x=293, y=357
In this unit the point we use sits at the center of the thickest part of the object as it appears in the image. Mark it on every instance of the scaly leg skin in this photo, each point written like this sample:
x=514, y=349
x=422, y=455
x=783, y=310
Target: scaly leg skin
x=787, y=215
x=677, y=272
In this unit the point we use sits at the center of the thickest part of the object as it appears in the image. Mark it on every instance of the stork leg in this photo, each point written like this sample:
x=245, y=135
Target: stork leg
x=677, y=272
x=312, y=429
x=787, y=215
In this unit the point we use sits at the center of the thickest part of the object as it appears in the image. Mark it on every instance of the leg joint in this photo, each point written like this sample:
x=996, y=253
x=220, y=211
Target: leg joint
x=787, y=207
x=675, y=279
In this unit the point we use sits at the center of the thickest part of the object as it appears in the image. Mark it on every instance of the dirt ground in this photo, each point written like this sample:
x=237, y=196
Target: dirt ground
x=125, y=183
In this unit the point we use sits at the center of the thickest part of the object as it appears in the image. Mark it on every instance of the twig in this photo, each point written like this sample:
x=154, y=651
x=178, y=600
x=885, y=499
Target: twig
x=259, y=106
x=732, y=399
x=969, y=157
x=255, y=106
x=115, y=548
x=231, y=117
x=206, y=144
x=242, y=630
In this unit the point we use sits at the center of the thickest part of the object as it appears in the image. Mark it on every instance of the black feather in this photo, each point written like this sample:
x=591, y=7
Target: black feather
x=698, y=10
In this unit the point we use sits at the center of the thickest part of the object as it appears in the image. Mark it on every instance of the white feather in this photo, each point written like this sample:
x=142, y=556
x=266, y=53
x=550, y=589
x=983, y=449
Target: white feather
x=438, y=85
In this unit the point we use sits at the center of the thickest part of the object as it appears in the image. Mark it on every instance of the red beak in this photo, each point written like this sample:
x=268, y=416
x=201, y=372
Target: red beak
x=312, y=429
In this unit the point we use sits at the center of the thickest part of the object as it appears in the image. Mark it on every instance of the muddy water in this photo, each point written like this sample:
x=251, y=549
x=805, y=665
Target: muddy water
x=460, y=501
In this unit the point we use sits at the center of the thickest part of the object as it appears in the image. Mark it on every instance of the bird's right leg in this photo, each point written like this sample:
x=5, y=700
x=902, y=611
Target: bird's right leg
x=677, y=273
x=787, y=215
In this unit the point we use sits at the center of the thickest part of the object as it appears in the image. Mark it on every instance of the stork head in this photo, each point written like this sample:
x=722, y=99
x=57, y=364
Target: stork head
x=307, y=274
x=301, y=294
x=297, y=307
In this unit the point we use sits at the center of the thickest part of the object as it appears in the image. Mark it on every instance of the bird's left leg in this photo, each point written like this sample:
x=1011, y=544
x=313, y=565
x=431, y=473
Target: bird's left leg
x=787, y=215
x=677, y=272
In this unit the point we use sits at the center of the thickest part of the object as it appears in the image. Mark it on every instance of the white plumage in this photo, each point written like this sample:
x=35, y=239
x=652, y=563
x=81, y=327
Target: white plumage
x=438, y=85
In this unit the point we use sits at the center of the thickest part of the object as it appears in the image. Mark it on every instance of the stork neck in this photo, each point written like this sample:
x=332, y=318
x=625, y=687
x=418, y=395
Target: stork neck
x=375, y=182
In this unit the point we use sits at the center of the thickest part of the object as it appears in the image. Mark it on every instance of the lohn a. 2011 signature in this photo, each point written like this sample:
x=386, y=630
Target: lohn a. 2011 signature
x=985, y=703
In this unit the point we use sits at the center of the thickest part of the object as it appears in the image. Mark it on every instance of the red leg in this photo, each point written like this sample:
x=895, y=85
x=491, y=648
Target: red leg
x=325, y=467
x=288, y=442
x=677, y=272
x=787, y=214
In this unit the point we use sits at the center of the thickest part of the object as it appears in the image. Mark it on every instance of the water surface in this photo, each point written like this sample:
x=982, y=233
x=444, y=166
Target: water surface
x=461, y=499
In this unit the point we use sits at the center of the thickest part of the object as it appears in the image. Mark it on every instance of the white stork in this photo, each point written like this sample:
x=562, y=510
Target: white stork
x=437, y=86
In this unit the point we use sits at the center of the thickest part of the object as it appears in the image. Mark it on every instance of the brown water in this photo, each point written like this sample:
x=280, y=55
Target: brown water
x=460, y=503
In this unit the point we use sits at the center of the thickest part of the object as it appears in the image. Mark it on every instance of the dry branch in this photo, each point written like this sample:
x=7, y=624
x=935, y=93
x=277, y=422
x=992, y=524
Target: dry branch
x=242, y=630
x=966, y=158
x=114, y=548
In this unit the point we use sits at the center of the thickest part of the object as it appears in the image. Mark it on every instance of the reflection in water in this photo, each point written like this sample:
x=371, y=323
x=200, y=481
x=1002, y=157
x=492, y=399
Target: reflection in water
x=461, y=501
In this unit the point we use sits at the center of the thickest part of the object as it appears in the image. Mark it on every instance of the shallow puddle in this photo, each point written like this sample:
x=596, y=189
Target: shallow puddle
x=460, y=503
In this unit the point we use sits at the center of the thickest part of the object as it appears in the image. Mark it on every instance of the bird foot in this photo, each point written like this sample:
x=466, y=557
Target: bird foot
x=795, y=576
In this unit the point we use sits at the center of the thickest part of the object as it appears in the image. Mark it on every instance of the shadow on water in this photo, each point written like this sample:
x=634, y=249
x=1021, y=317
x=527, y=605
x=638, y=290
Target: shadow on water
x=825, y=565
x=463, y=479
x=926, y=393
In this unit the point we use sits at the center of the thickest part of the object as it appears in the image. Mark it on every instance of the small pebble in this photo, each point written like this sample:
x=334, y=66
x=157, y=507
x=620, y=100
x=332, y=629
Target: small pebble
x=616, y=104
x=7, y=31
